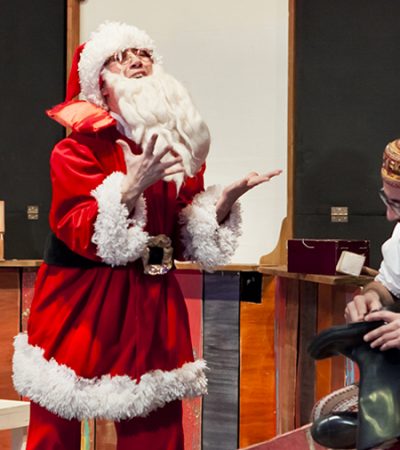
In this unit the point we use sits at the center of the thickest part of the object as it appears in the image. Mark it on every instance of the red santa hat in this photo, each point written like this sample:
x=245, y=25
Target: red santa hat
x=89, y=58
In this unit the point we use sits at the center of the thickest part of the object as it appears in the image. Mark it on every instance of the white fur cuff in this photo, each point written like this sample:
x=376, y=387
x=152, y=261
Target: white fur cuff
x=207, y=242
x=58, y=389
x=119, y=239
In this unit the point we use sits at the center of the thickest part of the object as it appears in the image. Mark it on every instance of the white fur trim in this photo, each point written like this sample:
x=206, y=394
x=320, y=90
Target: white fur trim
x=109, y=38
x=207, y=242
x=57, y=387
x=119, y=239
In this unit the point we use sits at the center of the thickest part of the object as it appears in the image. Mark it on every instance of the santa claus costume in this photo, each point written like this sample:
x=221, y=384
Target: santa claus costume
x=108, y=333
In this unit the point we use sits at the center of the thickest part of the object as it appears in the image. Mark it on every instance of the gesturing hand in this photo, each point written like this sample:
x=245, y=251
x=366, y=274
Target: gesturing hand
x=250, y=181
x=235, y=190
x=145, y=169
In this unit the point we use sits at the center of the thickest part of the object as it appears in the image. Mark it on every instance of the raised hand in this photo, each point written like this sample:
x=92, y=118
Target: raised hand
x=145, y=169
x=235, y=190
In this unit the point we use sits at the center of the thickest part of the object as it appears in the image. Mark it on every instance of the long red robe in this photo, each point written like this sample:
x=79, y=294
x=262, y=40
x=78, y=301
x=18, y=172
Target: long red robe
x=107, y=341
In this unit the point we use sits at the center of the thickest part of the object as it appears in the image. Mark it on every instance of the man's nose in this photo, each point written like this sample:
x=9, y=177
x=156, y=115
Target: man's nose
x=134, y=61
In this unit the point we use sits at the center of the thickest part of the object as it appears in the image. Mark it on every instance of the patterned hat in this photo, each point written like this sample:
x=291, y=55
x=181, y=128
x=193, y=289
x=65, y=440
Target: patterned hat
x=391, y=163
x=89, y=59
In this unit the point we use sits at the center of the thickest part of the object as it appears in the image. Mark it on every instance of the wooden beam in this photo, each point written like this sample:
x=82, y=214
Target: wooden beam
x=73, y=22
x=291, y=124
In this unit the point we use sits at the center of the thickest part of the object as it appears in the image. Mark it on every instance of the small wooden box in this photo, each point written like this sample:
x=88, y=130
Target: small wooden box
x=320, y=256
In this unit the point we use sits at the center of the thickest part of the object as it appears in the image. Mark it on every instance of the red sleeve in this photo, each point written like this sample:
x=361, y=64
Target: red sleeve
x=75, y=172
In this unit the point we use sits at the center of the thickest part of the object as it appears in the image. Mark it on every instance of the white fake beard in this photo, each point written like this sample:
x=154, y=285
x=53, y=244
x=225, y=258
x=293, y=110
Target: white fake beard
x=159, y=104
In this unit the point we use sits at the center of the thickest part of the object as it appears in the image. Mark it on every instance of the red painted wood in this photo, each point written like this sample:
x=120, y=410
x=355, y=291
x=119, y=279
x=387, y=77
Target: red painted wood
x=191, y=283
x=9, y=327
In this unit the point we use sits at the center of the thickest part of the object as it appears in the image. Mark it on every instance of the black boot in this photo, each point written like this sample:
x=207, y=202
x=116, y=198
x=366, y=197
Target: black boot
x=379, y=387
x=337, y=430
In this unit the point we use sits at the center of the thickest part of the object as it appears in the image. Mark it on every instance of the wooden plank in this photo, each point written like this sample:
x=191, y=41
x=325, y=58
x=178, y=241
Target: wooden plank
x=338, y=364
x=305, y=382
x=28, y=287
x=287, y=329
x=281, y=271
x=330, y=372
x=13, y=414
x=105, y=435
x=9, y=327
x=291, y=123
x=257, y=367
x=88, y=434
x=191, y=283
x=184, y=265
x=221, y=351
x=324, y=320
x=21, y=263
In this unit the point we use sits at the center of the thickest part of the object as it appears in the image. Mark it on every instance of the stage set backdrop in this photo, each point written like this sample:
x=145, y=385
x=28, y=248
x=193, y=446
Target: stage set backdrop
x=233, y=57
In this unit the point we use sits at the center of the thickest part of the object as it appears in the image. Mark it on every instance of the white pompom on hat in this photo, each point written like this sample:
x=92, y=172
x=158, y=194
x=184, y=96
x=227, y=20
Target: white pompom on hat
x=109, y=38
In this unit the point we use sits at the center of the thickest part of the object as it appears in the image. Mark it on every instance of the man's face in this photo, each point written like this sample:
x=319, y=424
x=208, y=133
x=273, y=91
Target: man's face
x=391, y=197
x=132, y=63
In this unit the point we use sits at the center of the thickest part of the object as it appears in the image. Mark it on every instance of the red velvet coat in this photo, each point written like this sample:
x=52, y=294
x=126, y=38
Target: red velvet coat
x=107, y=341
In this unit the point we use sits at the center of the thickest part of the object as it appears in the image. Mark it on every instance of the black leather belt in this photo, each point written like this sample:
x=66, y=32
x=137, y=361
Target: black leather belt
x=157, y=257
x=58, y=254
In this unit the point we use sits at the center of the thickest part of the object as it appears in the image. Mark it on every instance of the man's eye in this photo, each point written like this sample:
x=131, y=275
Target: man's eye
x=144, y=53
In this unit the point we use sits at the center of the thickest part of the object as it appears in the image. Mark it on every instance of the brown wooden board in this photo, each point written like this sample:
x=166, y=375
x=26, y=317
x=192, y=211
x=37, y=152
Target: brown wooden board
x=287, y=311
x=305, y=383
x=257, y=367
x=9, y=326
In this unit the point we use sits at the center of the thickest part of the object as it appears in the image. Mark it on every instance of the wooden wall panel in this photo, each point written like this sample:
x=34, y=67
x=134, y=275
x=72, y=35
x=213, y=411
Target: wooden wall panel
x=9, y=327
x=286, y=319
x=105, y=435
x=305, y=380
x=221, y=351
x=257, y=368
x=191, y=283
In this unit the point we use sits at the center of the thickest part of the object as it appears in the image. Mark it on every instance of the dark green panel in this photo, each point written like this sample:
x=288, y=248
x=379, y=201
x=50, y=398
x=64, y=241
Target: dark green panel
x=33, y=49
x=376, y=229
x=347, y=92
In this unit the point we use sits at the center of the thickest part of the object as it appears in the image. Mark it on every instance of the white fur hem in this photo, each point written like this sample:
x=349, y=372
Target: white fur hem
x=58, y=389
x=207, y=242
x=119, y=239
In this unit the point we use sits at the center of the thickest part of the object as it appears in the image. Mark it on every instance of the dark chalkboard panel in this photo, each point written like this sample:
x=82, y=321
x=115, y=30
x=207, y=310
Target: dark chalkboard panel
x=33, y=49
x=347, y=92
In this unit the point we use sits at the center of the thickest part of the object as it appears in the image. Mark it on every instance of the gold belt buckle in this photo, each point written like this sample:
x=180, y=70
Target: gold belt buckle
x=157, y=256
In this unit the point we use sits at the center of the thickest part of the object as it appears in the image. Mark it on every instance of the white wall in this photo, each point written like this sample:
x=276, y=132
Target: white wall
x=232, y=56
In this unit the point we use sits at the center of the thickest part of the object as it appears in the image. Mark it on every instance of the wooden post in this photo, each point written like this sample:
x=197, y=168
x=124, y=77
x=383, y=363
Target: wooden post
x=2, y=230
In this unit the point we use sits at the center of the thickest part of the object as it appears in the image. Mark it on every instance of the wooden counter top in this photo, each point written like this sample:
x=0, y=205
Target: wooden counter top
x=20, y=263
x=181, y=265
x=281, y=271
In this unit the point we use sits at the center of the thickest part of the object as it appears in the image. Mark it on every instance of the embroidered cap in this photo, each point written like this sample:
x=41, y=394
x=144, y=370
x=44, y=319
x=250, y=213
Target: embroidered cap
x=391, y=163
